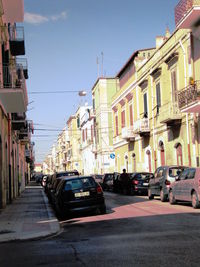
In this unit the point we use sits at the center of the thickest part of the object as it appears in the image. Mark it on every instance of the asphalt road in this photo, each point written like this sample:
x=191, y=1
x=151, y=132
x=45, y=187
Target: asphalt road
x=134, y=232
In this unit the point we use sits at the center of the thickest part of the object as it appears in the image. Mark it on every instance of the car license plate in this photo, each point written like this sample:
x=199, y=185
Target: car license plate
x=145, y=183
x=82, y=194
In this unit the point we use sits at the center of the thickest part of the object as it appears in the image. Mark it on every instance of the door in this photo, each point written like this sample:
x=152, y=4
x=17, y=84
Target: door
x=186, y=185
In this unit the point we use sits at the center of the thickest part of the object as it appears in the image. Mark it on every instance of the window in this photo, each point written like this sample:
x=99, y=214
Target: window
x=158, y=98
x=131, y=114
x=116, y=125
x=123, y=118
x=174, y=85
x=145, y=105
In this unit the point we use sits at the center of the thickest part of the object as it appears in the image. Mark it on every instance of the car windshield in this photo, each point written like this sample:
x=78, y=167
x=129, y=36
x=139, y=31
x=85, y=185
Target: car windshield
x=74, y=184
x=174, y=172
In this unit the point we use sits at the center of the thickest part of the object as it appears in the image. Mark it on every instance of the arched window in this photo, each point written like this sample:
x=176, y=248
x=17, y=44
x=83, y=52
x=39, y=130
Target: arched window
x=162, y=153
x=148, y=153
x=179, y=154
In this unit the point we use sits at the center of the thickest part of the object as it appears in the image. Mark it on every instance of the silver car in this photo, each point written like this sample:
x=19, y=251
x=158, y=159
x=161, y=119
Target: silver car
x=186, y=187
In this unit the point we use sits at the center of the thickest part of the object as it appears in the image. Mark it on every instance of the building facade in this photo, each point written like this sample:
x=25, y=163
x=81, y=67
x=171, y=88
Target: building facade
x=15, y=147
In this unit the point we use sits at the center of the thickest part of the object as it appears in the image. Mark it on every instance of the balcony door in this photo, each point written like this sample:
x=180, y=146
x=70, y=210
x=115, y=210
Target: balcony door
x=179, y=154
x=174, y=84
x=148, y=154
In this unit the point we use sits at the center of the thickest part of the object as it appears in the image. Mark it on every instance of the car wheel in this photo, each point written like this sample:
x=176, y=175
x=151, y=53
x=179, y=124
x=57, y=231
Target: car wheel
x=150, y=194
x=172, y=199
x=195, y=201
x=163, y=197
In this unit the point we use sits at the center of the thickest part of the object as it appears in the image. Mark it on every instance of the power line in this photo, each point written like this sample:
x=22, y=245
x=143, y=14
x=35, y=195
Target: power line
x=53, y=92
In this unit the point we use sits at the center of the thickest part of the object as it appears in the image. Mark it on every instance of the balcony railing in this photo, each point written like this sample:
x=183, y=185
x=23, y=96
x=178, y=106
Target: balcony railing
x=128, y=133
x=13, y=92
x=19, y=121
x=141, y=126
x=16, y=39
x=21, y=63
x=189, y=98
x=169, y=113
x=183, y=9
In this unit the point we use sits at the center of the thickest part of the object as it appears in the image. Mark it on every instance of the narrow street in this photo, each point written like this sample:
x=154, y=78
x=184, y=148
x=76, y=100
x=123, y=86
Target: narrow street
x=134, y=232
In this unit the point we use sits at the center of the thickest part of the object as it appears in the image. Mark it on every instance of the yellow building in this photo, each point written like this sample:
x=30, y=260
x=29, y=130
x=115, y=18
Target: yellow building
x=150, y=129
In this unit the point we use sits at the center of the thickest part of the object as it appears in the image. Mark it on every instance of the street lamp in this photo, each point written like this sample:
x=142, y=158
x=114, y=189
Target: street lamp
x=82, y=93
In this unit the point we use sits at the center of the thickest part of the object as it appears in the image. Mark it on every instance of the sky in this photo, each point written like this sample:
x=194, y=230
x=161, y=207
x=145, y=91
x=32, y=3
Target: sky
x=64, y=38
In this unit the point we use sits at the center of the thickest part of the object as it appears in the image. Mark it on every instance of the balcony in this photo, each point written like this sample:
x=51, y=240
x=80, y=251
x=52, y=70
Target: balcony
x=128, y=133
x=16, y=39
x=13, y=11
x=169, y=113
x=13, y=92
x=189, y=98
x=141, y=127
x=187, y=14
x=18, y=121
x=21, y=63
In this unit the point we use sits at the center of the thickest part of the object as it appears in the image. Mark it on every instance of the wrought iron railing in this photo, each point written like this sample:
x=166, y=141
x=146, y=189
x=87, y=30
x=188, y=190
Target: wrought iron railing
x=183, y=7
x=189, y=95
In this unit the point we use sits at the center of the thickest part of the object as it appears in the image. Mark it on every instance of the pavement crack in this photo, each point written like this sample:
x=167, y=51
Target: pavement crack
x=76, y=255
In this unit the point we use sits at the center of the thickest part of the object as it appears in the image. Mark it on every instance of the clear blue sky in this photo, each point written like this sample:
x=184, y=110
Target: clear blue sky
x=63, y=39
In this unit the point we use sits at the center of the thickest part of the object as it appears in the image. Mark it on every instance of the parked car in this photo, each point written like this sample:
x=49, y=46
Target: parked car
x=139, y=182
x=135, y=183
x=77, y=194
x=55, y=176
x=44, y=180
x=186, y=187
x=108, y=180
x=98, y=178
x=38, y=178
x=163, y=177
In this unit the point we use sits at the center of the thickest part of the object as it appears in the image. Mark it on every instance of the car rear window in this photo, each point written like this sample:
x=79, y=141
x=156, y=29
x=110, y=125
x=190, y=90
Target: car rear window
x=174, y=172
x=67, y=174
x=74, y=184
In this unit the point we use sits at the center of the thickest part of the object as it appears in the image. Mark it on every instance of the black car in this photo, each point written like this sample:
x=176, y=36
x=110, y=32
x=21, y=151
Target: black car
x=139, y=182
x=78, y=194
x=52, y=179
x=163, y=177
x=135, y=183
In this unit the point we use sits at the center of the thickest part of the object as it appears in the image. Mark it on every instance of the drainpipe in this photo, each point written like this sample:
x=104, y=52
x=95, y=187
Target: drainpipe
x=187, y=119
x=154, y=145
x=9, y=158
x=195, y=116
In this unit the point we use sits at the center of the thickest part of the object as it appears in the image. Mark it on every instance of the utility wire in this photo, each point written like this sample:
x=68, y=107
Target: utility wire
x=52, y=92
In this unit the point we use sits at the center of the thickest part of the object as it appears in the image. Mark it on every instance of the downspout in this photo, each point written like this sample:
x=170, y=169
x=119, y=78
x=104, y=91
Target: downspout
x=9, y=158
x=153, y=126
x=195, y=116
x=187, y=119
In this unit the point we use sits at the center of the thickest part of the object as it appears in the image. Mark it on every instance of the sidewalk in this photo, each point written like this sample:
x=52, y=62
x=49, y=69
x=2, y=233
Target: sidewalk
x=29, y=216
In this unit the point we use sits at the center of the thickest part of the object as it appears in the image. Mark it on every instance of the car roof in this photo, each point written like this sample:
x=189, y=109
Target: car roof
x=67, y=178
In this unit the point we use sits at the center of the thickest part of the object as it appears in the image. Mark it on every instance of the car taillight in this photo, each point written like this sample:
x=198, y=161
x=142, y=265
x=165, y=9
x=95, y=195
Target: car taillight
x=135, y=182
x=99, y=190
x=167, y=182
